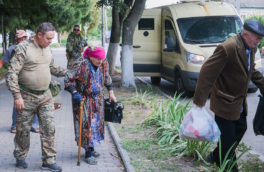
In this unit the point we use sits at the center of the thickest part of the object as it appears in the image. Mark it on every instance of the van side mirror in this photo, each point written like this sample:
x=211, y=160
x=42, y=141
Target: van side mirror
x=170, y=44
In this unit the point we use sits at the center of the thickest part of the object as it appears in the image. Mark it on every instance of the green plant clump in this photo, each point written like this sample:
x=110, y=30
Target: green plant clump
x=167, y=120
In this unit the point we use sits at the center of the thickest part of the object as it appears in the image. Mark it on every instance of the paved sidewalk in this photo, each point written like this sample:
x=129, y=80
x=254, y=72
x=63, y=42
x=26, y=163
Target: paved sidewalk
x=67, y=150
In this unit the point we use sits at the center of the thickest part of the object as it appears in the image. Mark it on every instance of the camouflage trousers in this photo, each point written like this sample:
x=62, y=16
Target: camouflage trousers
x=44, y=107
x=71, y=62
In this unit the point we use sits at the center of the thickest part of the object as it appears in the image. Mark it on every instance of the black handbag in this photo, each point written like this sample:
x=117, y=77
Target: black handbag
x=258, y=120
x=113, y=111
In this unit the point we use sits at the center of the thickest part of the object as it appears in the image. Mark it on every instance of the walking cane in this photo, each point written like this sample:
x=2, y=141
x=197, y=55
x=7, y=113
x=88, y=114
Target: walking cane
x=80, y=133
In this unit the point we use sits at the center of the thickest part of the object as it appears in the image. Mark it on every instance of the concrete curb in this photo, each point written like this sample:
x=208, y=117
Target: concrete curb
x=261, y=158
x=123, y=153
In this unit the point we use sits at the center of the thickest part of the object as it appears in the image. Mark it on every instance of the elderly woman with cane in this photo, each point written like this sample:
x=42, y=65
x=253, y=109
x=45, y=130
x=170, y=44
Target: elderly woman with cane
x=85, y=81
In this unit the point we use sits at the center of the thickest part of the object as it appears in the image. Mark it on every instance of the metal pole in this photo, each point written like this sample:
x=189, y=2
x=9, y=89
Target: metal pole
x=3, y=43
x=106, y=28
x=102, y=27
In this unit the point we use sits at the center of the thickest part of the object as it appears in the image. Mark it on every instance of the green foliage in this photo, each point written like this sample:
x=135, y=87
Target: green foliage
x=226, y=165
x=141, y=99
x=259, y=18
x=137, y=144
x=55, y=45
x=167, y=120
x=146, y=151
x=64, y=40
x=62, y=14
x=121, y=5
x=109, y=18
x=253, y=163
x=261, y=45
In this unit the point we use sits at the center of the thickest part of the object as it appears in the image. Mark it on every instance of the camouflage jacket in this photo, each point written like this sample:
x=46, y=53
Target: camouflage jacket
x=74, y=45
x=32, y=67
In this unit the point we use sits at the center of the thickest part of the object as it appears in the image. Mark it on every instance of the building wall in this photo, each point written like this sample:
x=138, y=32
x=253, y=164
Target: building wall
x=247, y=12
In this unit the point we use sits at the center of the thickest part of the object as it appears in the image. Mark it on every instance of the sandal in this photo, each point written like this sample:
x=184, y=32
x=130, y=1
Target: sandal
x=35, y=130
x=13, y=131
x=95, y=154
x=91, y=160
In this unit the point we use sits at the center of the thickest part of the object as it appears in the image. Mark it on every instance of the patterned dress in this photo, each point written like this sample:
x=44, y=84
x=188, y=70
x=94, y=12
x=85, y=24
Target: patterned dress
x=89, y=81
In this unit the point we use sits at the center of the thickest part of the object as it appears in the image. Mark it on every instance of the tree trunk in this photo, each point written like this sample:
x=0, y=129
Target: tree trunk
x=113, y=49
x=12, y=39
x=127, y=64
x=129, y=26
x=58, y=37
x=112, y=54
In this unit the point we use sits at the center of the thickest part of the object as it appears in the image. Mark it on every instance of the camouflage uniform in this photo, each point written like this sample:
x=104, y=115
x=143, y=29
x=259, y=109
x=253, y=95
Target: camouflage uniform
x=29, y=67
x=74, y=48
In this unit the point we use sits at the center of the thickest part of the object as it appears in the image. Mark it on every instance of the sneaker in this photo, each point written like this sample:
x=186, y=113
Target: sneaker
x=52, y=167
x=91, y=160
x=95, y=154
x=21, y=164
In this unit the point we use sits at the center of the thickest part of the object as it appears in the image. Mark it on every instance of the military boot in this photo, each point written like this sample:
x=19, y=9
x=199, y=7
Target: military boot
x=21, y=164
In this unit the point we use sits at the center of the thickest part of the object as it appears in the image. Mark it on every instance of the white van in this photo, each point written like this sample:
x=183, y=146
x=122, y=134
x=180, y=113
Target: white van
x=173, y=42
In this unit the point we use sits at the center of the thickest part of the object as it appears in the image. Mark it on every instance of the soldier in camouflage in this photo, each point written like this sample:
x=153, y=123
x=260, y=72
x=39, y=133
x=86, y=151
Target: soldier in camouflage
x=28, y=77
x=75, y=46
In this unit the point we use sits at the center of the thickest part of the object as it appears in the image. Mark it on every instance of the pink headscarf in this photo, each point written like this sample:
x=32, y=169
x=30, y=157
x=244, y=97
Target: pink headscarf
x=21, y=34
x=95, y=52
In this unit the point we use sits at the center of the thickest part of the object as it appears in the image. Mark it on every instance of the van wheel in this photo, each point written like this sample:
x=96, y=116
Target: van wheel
x=155, y=80
x=252, y=90
x=179, y=86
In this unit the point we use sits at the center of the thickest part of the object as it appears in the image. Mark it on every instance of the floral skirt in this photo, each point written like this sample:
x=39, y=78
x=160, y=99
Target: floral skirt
x=96, y=134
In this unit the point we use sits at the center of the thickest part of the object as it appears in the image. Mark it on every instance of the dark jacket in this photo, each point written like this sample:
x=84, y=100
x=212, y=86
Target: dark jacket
x=226, y=75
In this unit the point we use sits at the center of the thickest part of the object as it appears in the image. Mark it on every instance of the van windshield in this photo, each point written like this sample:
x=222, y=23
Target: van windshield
x=204, y=30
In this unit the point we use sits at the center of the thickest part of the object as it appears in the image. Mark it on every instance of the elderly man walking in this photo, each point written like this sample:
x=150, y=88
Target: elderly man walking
x=227, y=74
x=21, y=36
x=75, y=46
x=28, y=77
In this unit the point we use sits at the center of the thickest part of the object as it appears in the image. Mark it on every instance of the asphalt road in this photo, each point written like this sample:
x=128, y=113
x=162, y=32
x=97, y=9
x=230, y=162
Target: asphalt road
x=256, y=142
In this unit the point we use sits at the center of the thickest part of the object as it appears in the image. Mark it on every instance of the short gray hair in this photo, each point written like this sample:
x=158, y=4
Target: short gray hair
x=45, y=27
x=243, y=30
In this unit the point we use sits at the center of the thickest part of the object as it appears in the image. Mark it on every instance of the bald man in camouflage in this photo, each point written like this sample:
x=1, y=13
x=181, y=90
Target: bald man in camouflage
x=28, y=77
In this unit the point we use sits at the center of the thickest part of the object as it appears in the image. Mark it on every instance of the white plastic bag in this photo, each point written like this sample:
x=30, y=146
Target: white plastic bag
x=199, y=125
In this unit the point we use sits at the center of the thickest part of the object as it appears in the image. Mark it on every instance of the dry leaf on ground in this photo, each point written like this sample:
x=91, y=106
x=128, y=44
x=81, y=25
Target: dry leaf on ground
x=114, y=154
x=121, y=166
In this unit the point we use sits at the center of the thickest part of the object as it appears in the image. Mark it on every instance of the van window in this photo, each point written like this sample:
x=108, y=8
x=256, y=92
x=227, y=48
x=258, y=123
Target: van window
x=199, y=30
x=146, y=24
x=171, y=41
